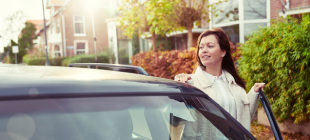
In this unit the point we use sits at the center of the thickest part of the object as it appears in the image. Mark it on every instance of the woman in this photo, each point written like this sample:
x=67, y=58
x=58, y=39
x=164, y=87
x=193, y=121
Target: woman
x=217, y=76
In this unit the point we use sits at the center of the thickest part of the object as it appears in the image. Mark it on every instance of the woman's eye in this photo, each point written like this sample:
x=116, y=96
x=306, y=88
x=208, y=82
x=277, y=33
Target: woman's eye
x=210, y=46
x=200, y=47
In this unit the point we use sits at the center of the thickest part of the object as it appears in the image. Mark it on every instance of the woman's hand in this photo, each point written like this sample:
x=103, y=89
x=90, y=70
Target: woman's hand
x=258, y=86
x=182, y=77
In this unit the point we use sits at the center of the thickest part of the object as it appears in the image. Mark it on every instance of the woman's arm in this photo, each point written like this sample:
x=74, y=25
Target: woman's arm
x=253, y=100
x=253, y=97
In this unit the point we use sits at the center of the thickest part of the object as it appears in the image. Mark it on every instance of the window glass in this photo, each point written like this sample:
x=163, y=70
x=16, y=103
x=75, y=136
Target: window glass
x=230, y=12
x=80, y=52
x=113, y=118
x=80, y=45
x=123, y=51
x=250, y=27
x=57, y=50
x=123, y=46
x=58, y=26
x=81, y=48
x=79, y=29
x=255, y=9
x=232, y=33
x=51, y=27
x=79, y=25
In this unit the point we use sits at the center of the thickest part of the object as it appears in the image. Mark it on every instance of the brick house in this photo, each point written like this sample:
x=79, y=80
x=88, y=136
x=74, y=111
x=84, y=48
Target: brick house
x=244, y=17
x=71, y=30
x=248, y=15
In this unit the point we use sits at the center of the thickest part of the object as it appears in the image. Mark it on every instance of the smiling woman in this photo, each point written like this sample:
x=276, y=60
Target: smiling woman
x=210, y=53
x=217, y=76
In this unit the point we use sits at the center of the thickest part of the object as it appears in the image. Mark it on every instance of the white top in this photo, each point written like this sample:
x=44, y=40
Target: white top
x=221, y=86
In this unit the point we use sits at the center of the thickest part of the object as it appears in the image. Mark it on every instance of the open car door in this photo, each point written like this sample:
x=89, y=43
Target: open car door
x=270, y=115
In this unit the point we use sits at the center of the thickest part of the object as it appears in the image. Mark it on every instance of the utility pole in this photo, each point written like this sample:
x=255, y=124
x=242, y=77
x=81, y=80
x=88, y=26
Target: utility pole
x=46, y=50
x=94, y=35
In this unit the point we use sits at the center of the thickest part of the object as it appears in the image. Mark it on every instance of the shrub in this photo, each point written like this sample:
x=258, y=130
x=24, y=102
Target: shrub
x=166, y=64
x=34, y=61
x=103, y=57
x=123, y=56
x=279, y=55
x=6, y=60
x=57, y=61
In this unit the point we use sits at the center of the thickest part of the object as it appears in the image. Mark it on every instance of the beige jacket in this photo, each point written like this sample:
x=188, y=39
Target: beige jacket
x=246, y=104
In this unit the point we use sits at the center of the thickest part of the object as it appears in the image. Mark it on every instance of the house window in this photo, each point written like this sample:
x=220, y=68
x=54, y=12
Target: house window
x=251, y=27
x=232, y=33
x=229, y=13
x=57, y=51
x=239, y=19
x=81, y=47
x=52, y=26
x=255, y=9
x=79, y=26
x=58, y=26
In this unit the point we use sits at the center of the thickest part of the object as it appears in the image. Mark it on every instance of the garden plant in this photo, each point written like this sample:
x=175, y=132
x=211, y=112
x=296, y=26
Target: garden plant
x=279, y=56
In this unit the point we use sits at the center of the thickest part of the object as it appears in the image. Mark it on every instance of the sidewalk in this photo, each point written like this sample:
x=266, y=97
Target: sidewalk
x=261, y=132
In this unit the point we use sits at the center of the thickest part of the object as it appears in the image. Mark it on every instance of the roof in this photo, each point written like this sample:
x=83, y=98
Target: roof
x=66, y=4
x=38, y=32
x=63, y=3
x=37, y=81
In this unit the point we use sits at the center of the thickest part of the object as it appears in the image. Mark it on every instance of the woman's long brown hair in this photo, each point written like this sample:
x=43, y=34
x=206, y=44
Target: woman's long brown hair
x=227, y=63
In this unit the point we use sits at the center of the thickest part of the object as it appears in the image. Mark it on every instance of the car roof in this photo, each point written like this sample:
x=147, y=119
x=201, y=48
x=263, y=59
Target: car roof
x=33, y=81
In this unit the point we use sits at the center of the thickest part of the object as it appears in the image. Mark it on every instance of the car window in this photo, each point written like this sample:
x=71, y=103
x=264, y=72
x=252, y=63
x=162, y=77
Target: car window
x=113, y=118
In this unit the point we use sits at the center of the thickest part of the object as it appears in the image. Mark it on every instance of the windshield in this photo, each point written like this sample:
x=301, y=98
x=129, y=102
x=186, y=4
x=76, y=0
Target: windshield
x=116, y=118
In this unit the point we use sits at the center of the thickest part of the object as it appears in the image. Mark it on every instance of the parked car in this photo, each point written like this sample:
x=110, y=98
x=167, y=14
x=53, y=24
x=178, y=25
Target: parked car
x=62, y=103
x=113, y=67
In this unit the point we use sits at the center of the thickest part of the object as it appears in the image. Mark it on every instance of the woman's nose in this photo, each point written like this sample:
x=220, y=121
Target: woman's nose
x=205, y=49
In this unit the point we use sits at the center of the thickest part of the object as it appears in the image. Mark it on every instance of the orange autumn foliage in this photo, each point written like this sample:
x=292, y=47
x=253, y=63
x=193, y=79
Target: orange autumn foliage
x=167, y=64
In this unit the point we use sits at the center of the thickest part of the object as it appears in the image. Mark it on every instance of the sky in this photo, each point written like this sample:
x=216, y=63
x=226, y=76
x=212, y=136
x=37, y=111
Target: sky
x=31, y=8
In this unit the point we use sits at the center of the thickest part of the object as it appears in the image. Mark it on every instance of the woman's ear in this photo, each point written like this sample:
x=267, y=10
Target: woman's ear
x=223, y=53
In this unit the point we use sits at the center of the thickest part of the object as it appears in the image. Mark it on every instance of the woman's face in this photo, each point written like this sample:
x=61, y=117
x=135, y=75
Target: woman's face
x=210, y=53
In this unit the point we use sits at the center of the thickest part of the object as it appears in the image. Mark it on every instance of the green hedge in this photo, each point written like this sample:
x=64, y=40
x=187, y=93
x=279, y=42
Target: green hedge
x=279, y=55
x=41, y=61
x=103, y=57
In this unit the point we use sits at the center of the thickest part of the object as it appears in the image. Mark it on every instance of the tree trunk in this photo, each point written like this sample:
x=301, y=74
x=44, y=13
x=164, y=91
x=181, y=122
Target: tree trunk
x=154, y=41
x=189, y=37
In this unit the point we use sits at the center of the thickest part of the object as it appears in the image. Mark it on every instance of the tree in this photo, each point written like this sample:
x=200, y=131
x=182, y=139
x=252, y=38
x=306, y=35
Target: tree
x=25, y=42
x=14, y=24
x=135, y=43
x=151, y=16
x=163, y=16
x=188, y=12
x=9, y=49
